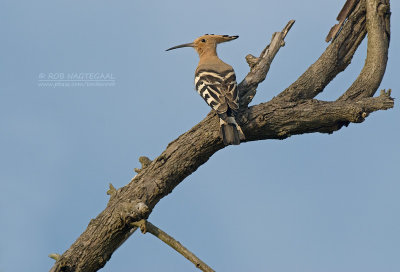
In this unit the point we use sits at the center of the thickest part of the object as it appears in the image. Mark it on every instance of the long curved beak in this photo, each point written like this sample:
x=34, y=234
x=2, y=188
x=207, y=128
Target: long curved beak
x=180, y=46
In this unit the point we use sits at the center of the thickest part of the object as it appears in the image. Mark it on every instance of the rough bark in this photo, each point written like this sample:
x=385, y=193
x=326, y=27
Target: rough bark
x=292, y=112
x=343, y=15
x=378, y=24
x=334, y=60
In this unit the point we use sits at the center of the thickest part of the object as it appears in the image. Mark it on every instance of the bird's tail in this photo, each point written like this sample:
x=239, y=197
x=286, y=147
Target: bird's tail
x=230, y=131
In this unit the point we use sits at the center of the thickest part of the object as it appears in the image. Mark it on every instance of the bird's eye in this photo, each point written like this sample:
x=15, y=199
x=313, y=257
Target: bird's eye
x=203, y=40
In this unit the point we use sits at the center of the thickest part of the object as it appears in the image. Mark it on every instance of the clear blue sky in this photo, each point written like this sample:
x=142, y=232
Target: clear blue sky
x=312, y=203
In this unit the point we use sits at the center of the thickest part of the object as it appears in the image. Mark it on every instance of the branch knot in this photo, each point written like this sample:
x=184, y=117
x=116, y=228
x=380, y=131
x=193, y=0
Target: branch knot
x=252, y=60
x=133, y=211
x=145, y=161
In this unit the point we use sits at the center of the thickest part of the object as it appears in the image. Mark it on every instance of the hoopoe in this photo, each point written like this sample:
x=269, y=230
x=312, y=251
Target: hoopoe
x=215, y=81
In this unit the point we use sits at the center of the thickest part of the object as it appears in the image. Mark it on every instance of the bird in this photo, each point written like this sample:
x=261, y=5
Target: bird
x=215, y=81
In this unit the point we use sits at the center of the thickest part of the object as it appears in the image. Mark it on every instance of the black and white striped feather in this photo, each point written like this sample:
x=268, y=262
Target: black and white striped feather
x=218, y=89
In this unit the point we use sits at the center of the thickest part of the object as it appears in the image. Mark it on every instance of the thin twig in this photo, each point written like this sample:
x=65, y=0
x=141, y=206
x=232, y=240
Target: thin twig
x=146, y=226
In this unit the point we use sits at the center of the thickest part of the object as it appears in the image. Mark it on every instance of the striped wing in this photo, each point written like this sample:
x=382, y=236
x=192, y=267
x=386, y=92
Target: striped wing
x=218, y=89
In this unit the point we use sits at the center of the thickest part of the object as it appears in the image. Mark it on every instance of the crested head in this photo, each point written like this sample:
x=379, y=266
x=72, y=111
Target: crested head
x=206, y=43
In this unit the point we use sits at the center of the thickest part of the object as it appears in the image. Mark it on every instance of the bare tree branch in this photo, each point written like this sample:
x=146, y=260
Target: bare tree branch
x=146, y=226
x=292, y=112
x=378, y=26
x=334, y=60
x=259, y=67
x=281, y=120
x=343, y=14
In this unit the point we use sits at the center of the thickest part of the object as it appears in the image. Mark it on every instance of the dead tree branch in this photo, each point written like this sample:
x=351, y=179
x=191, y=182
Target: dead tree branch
x=294, y=111
x=259, y=67
x=343, y=14
x=378, y=27
x=334, y=60
x=146, y=226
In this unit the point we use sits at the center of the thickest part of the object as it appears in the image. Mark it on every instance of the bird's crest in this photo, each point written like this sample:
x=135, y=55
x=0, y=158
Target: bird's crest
x=206, y=43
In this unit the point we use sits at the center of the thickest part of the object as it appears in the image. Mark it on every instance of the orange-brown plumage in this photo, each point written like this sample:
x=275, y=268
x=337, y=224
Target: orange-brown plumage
x=215, y=81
